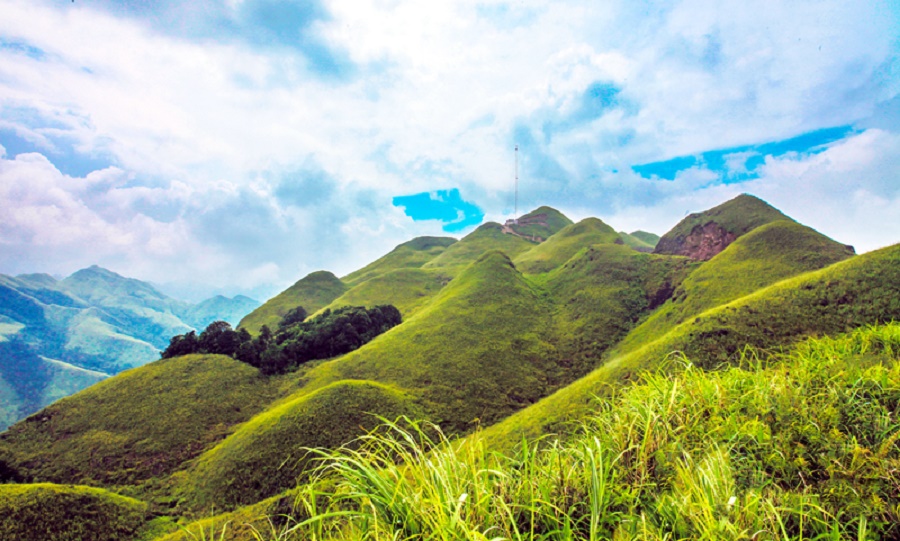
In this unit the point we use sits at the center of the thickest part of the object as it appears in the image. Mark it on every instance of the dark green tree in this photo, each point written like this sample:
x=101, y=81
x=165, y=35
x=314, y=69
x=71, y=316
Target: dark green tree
x=294, y=316
x=182, y=344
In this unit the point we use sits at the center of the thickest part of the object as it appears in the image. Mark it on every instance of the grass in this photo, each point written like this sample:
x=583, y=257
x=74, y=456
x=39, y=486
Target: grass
x=560, y=247
x=140, y=425
x=45, y=511
x=770, y=253
x=737, y=216
x=487, y=237
x=407, y=289
x=313, y=292
x=409, y=255
x=267, y=454
x=800, y=445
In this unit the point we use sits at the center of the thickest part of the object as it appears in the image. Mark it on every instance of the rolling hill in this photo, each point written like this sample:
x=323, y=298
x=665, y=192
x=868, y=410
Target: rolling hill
x=514, y=332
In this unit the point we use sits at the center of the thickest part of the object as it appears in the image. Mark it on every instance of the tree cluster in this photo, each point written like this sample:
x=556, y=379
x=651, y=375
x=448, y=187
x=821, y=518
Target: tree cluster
x=297, y=341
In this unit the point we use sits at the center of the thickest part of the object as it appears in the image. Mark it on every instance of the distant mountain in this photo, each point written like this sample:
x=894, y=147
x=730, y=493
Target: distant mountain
x=219, y=308
x=60, y=336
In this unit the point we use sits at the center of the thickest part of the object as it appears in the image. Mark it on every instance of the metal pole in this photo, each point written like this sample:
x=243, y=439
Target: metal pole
x=516, y=211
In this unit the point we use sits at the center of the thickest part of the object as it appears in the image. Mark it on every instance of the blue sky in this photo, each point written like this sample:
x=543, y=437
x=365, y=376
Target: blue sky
x=233, y=146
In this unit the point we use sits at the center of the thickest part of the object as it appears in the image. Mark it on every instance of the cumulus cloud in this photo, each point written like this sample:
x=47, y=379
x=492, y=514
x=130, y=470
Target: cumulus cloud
x=251, y=141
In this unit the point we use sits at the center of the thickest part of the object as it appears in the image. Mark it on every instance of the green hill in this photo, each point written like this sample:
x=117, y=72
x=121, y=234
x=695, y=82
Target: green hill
x=406, y=289
x=409, y=255
x=486, y=237
x=860, y=291
x=599, y=295
x=650, y=239
x=313, y=292
x=477, y=351
x=141, y=424
x=564, y=244
x=45, y=512
x=702, y=235
x=239, y=471
x=639, y=244
x=767, y=254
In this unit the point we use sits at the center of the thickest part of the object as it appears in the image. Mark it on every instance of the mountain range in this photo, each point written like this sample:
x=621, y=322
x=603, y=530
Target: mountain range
x=60, y=336
x=512, y=335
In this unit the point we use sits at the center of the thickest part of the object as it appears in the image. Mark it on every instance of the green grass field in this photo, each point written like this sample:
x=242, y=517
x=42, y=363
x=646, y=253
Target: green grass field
x=475, y=353
x=406, y=289
x=600, y=392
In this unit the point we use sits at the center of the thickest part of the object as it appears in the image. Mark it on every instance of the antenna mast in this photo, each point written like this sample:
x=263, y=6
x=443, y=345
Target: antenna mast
x=516, y=211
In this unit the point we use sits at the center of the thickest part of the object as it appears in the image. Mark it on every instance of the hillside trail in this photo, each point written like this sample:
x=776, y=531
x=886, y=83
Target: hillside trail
x=540, y=219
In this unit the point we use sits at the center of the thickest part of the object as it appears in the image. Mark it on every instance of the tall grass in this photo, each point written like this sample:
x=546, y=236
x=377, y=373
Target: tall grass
x=802, y=445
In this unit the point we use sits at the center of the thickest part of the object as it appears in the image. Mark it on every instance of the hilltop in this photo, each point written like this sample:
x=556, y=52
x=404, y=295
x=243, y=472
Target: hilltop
x=704, y=234
x=515, y=332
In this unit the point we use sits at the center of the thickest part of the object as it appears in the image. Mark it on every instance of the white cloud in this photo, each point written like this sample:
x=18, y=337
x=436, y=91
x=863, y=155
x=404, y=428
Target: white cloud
x=849, y=192
x=203, y=131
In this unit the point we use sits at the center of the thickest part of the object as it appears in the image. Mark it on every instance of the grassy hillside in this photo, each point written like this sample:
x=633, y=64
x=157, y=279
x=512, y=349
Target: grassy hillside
x=599, y=294
x=409, y=255
x=406, y=289
x=486, y=237
x=735, y=217
x=314, y=291
x=856, y=292
x=45, y=512
x=790, y=450
x=770, y=253
x=269, y=454
x=144, y=423
x=561, y=246
x=477, y=351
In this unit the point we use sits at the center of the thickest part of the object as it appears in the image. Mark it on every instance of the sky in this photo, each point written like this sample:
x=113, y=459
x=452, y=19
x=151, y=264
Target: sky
x=234, y=146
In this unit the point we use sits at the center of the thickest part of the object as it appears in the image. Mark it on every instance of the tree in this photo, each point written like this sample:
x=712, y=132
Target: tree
x=292, y=317
x=220, y=338
x=182, y=344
